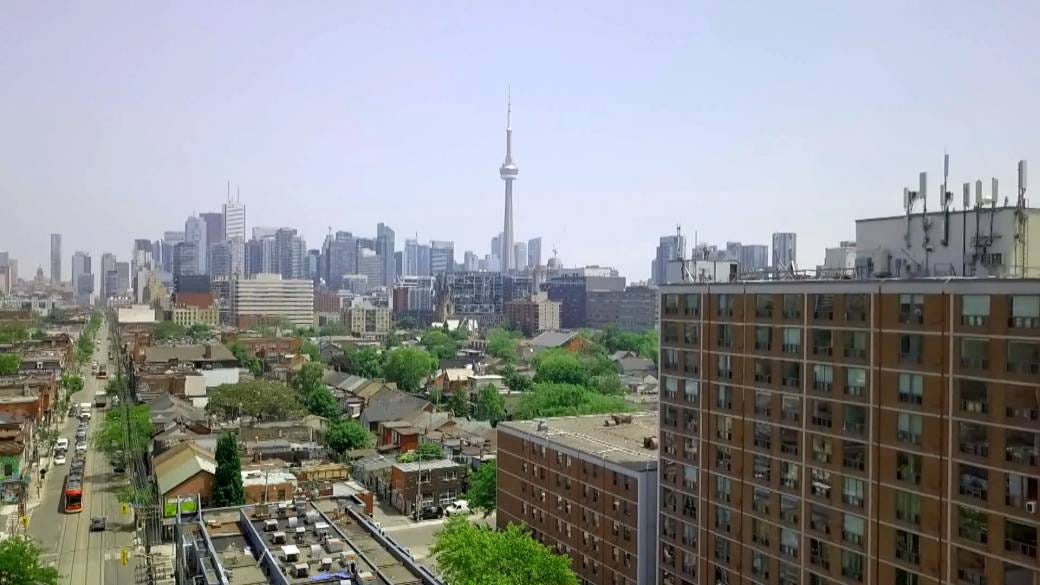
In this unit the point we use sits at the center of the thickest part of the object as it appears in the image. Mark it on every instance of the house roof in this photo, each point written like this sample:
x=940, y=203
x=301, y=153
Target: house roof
x=631, y=365
x=188, y=353
x=457, y=374
x=371, y=388
x=392, y=405
x=334, y=378
x=553, y=338
x=165, y=407
x=430, y=421
x=426, y=465
x=181, y=463
x=619, y=355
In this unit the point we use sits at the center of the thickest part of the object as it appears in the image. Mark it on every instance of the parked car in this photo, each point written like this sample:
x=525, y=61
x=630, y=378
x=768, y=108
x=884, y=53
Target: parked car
x=62, y=444
x=98, y=523
x=81, y=447
x=59, y=459
x=457, y=507
x=428, y=513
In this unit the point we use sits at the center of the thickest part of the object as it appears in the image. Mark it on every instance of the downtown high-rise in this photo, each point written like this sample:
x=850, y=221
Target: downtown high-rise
x=844, y=432
x=56, y=260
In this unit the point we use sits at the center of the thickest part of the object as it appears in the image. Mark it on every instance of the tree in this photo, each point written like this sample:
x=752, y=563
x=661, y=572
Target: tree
x=407, y=322
x=9, y=364
x=439, y=344
x=408, y=367
x=311, y=349
x=345, y=435
x=557, y=366
x=129, y=427
x=259, y=399
x=12, y=334
x=168, y=330
x=643, y=344
x=503, y=344
x=566, y=400
x=424, y=452
x=490, y=405
x=116, y=386
x=199, y=331
x=364, y=362
x=20, y=564
x=227, y=483
x=516, y=381
x=309, y=377
x=71, y=383
x=392, y=340
x=467, y=554
x=245, y=359
x=459, y=403
x=483, y=488
x=321, y=402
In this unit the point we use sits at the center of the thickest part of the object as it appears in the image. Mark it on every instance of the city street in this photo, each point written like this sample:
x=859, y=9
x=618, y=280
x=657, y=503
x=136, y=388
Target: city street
x=81, y=556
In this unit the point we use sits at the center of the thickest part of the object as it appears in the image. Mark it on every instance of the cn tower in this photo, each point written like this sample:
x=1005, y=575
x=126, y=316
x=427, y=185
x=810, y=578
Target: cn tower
x=508, y=172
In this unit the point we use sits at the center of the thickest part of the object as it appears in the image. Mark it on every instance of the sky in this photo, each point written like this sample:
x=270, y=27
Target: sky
x=735, y=120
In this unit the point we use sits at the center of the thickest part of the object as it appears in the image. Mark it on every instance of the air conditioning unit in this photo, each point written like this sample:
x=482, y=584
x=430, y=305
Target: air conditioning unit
x=1031, y=506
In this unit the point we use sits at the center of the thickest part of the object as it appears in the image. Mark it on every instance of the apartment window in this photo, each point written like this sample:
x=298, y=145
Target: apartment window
x=908, y=507
x=690, y=420
x=972, y=524
x=1020, y=538
x=974, y=482
x=1023, y=357
x=789, y=542
x=910, y=348
x=855, y=344
x=764, y=306
x=854, y=419
x=790, y=574
x=723, y=459
x=792, y=374
x=763, y=435
x=723, y=518
x=973, y=439
x=821, y=449
x=790, y=408
x=691, y=334
x=725, y=338
x=1020, y=491
x=908, y=547
x=792, y=306
x=822, y=342
x=855, y=382
x=911, y=388
x=974, y=396
x=789, y=441
x=763, y=403
x=721, y=549
x=691, y=363
x=852, y=528
x=764, y=338
x=904, y=577
x=691, y=391
x=974, y=353
x=693, y=305
x=723, y=428
x=762, y=467
x=852, y=492
x=854, y=455
x=760, y=565
x=725, y=305
x=821, y=483
x=792, y=342
x=852, y=565
x=908, y=428
x=671, y=304
x=819, y=519
x=1025, y=312
x=823, y=377
x=856, y=307
x=789, y=473
x=670, y=332
x=823, y=308
x=725, y=367
x=822, y=414
x=723, y=488
x=908, y=467
x=724, y=397
x=974, y=310
x=819, y=554
x=760, y=501
x=689, y=478
x=670, y=359
x=911, y=309
x=1021, y=447
x=671, y=387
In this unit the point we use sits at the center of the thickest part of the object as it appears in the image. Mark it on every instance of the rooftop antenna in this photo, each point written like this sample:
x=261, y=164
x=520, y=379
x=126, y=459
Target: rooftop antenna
x=684, y=270
x=946, y=198
x=229, y=190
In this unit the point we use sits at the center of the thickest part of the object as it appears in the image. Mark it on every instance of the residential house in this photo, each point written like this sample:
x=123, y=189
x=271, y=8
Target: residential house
x=16, y=438
x=29, y=395
x=438, y=482
x=570, y=341
x=268, y=484
x=390, y=405
x=185, y=470
x=202, y=356
x=451, y=380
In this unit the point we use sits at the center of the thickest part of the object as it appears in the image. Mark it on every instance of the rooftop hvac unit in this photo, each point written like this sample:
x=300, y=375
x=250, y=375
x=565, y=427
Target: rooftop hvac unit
x=293, y=521
x=325, y=564
x=300, y=570
x=1031, y=507
x=270, y=525
x=315, y=550
x=278, y=538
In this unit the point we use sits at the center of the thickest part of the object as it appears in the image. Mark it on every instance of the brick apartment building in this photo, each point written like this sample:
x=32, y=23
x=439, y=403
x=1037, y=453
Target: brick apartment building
x=843, y=432
x=587, y=486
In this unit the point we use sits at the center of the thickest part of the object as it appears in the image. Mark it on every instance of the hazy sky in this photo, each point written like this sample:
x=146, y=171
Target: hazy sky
x=118, y=120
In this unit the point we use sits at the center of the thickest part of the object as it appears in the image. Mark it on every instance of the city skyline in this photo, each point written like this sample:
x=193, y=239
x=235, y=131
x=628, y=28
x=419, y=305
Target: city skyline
x=770, y=119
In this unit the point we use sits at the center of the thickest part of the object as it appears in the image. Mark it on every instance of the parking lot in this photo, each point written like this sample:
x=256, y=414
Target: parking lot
x=417, y=537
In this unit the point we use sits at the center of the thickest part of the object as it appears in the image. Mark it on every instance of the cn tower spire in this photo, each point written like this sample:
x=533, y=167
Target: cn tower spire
x=508, y=172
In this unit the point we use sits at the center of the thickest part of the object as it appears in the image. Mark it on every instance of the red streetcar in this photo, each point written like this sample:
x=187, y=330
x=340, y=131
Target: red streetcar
x=73, y=494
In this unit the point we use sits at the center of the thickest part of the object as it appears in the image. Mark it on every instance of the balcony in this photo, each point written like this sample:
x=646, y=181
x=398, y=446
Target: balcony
x=823, y=315
x=820, y=525
x=763, y=346
x=764, y=378
x=792, y=348
x=855, y=390
x=973, y=532
x=760, y=539
x=852, y=537
x=851, y=500
x=856, y=352
x=789, y=550
x=1023, y=414
x=725, y=374
x=789, y=448
x=1023, y=367
x=1021, y=455
x=908, y=437
x=792, y=382
x=974, y=320
x=820, y=561
x=762, y=442
x=912, y=317
x=822, y=421
x=822, y=350
x=974, y=449
x=792, y=313
x=791, y=415
x=908, y=475
x=1024, y=322
x=760, y=508
x=853, y=315
x=1027, y=549
x=974, y=363
x=908, y=556
x=910, y=357
x=974, y=407
x=972, y=576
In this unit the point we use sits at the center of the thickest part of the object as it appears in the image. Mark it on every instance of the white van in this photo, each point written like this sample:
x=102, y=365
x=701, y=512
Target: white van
x=61, y=444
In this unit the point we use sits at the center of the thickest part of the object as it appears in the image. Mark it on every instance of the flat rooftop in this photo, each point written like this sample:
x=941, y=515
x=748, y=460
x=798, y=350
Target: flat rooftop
x=620, y=439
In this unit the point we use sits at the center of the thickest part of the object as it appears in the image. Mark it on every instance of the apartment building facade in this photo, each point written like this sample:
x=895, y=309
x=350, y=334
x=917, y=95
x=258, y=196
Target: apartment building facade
x=844, y=432
x=586, y=486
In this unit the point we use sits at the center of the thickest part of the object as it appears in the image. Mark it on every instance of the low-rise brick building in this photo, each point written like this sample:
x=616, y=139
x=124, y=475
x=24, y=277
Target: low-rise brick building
x=439, y=482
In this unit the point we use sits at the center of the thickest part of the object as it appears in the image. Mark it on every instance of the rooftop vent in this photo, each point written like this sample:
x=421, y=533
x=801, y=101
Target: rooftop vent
x=650, y=443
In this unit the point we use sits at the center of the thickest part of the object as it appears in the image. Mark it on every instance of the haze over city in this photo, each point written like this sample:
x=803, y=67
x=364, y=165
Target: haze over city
x=735, y=121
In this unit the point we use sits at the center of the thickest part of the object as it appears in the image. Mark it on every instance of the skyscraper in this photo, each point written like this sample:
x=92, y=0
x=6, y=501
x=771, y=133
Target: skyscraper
x=214, y=226
x=234, y=219
x=534, y=252
x=470, y=261
x=785, y=250
x=340, y=257
x=508, y=172
x=108, y=264
x=56, y=259
x=82, y=277
x=520, y=256
x=669, y=248
x=442, y=257
x=385, y=249
x=195, y=233
x=284, y=252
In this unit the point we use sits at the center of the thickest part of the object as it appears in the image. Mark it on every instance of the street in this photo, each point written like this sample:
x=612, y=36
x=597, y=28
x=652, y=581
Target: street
x=418, y=537
x=81, y=556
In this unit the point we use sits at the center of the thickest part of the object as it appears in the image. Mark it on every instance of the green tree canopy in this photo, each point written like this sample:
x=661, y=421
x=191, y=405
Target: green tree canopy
x=407, y=322
x=557, y=366
x=116, y=433
x=459, y=403
x=199, y=332
x=168, y=330
x=490, y=405
x=309, y=377
x=116, y=385
x=245, y=359
x=260, y=399
x=503, y=344
x=548, y=399
x=345, y=435
x=440, y=344
x=311, y=349
x=644, y=344
x=483, y=488
x=13, y=334
x=424, y=452
x=20, y=564
x=321, y=402
x=516, y=381
x=365, y=362
x=408, y=367
x=227, y=483
x=71, y=383
x=467, y=554
x=9, y=364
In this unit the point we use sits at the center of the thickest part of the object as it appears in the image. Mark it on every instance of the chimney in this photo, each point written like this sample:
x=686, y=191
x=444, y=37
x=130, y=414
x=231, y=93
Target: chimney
x=207, y=352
